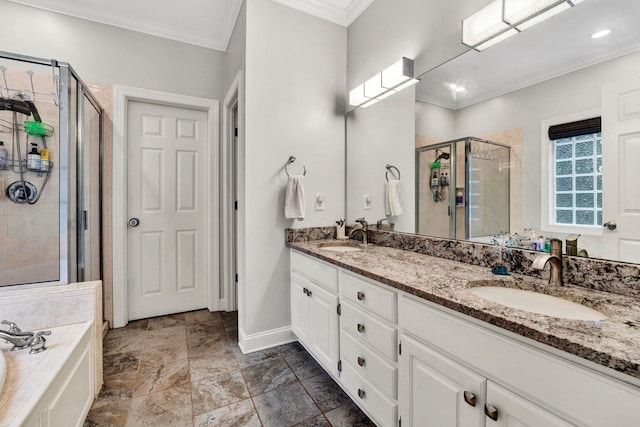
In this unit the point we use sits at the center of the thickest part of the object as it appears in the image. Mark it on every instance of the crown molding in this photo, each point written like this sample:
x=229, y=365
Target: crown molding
x=323, y=9
x=79, y=9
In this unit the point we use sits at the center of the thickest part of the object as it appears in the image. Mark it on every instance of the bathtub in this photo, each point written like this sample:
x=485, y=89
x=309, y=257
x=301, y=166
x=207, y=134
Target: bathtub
x=52, y=388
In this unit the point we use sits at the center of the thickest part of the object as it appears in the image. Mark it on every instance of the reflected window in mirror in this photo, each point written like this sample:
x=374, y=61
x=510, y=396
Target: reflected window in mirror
x=574, y=172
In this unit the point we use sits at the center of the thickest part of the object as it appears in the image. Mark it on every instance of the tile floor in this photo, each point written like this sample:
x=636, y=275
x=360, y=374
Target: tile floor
x=187, y=370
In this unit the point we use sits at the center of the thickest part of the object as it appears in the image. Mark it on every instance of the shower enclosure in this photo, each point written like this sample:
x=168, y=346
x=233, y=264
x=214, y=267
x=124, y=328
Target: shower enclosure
x=50, y=174
x=463, y=189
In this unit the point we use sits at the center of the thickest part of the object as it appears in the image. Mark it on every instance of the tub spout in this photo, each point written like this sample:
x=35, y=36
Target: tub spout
x=19, y=342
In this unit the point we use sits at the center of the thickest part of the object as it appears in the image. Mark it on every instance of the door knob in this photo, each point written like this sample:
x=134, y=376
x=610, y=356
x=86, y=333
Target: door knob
x=610, y=225
x=134, y=222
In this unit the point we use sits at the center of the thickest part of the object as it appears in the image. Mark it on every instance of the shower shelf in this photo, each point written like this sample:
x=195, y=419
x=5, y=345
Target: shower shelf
x=16, y=165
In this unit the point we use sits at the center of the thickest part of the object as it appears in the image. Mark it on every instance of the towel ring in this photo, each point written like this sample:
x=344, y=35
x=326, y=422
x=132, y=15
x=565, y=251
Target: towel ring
x=389, y=167
x=291, y=160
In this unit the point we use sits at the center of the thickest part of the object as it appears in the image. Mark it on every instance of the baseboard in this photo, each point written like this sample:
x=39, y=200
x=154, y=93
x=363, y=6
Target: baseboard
x=266, y=339
x=105, y=329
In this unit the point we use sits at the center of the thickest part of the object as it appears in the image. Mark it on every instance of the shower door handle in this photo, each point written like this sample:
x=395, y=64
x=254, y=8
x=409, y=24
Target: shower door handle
x=134, y=222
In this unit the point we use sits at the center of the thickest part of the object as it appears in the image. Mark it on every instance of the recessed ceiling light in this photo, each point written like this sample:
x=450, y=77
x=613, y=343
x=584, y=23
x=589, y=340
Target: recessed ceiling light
x=600, y=34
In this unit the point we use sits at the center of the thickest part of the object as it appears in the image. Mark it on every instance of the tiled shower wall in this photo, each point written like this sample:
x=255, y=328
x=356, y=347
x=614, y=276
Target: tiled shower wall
x=29, y=234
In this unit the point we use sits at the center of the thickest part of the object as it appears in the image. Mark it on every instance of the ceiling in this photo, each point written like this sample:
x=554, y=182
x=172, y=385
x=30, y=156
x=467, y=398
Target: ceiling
x=555, y=47
x=207, y=23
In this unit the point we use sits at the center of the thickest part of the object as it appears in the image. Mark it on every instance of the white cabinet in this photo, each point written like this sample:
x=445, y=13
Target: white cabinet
x=314, y=310
x=436, y=391
x=507, y=409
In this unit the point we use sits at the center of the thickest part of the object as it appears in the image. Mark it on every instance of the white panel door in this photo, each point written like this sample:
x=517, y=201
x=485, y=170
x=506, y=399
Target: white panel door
x=620, y=160
x=432, y=389
x=324, y=328
x=300, y=308
x=167, y=187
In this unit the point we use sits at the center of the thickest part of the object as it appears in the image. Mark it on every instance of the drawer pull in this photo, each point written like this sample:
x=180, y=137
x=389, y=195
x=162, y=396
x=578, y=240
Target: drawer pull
x=361, y=328
x=361, y=361
x=309, y=293
x=470, y=398
x=360, y=296
x=491, y=411
x=361, y=393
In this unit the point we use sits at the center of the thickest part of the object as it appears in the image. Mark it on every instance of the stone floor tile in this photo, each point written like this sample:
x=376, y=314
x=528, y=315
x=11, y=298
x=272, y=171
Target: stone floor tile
x=240, y=414
x=319, y=421
x=292, y=347
x=249, y=359
x=203, y=344
x=120, y=363
x=154, y=377
x=222, y=390
x=205, y=367
x=286, y=406
x=325, y=392
x=108, y=412
x=303, y=365
x=118, y=386
x=166, y=321
x=267, y=376
x=171, y=407
x=348, y=415
x=202, y=316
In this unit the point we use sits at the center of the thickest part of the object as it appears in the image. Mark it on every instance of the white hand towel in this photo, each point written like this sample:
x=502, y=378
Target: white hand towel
x=392, y=198
x=294, y=198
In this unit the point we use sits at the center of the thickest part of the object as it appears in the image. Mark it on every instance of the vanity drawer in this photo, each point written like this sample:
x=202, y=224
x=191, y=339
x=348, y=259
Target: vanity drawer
x=321, y=273
x=366, y=328
x=370, y=399
x=364, y=360
x=368, y=296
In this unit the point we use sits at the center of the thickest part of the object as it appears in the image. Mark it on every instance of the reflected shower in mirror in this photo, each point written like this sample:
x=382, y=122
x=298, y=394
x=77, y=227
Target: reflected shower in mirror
x=511, y=94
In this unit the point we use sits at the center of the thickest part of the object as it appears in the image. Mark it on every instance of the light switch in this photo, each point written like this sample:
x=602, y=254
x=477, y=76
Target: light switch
x=367, y=201
x=320, y=202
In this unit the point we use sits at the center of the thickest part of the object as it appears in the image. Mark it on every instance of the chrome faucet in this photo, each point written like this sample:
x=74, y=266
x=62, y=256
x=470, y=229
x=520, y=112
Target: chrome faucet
x=363, y=230
x=554, y=258
x=19, y=342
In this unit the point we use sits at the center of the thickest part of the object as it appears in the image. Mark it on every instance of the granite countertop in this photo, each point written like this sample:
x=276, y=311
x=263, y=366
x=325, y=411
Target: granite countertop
x=613, y=342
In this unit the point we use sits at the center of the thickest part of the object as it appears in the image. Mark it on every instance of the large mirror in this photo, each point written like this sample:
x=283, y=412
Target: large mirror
x=472, y=142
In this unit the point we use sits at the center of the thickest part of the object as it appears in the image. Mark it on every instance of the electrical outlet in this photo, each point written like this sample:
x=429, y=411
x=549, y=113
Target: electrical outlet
x=320, y=202
x=367, y=202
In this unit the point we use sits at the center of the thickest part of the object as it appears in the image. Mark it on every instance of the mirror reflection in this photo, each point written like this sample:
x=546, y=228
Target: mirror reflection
x=474, y=146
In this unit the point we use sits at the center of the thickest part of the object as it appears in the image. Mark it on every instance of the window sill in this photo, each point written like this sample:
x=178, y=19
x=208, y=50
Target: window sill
x=573, y=229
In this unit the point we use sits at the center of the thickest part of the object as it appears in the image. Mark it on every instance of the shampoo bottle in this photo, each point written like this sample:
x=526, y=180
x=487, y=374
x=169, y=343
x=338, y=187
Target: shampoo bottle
x=4, y=162
x=33, y=158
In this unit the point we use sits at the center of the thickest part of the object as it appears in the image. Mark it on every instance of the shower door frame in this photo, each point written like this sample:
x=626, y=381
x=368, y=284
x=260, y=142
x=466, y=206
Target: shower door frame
x=67, y=274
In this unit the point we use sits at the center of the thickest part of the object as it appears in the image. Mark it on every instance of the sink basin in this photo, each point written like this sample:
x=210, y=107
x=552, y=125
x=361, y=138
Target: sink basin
x=344, y=246
x=535, y=302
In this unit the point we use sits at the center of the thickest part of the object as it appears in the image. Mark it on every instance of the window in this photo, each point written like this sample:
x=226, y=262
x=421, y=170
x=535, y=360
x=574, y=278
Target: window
x=576, y=160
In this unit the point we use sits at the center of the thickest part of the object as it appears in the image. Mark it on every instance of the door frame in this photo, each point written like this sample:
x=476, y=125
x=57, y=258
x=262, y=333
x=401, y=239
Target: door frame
x=121, y=96
x=230, y=248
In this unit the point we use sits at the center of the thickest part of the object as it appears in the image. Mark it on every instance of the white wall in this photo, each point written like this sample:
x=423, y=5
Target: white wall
x=235, y=59
x=103, y=53
x=435, y=121
x=381, y=135
x=295, y=85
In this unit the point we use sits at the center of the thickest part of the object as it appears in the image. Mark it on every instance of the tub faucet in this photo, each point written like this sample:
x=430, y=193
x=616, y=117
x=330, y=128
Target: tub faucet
x=23, y=340
x=363, y=230
x=554, y=258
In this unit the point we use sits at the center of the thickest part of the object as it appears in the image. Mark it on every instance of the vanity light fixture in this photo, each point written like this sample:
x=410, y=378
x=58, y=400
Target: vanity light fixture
x=600, y=34
x=383, y=84
x=502, y=19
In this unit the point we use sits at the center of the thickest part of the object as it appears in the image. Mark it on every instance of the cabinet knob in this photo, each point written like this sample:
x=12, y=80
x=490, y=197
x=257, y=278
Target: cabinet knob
x=305, y=290
x=309, y=293
x=470, y=398
x=361, y=328
x=361, y=393
x=361, y=361
x=491, y=411
x=360, y=296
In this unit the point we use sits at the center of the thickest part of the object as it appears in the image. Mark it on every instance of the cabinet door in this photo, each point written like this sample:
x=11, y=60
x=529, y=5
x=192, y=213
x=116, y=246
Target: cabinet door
x=432, y=389
x=323, y=327
x=300, y=308
x=512, y=410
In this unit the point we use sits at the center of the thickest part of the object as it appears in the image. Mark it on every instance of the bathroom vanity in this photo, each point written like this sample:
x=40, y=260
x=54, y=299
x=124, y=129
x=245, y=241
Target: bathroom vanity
x=411, y=345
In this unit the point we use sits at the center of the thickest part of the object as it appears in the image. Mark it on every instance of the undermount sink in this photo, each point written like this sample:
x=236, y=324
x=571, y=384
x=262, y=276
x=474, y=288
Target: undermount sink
x=539, y=303
x=342, y=246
